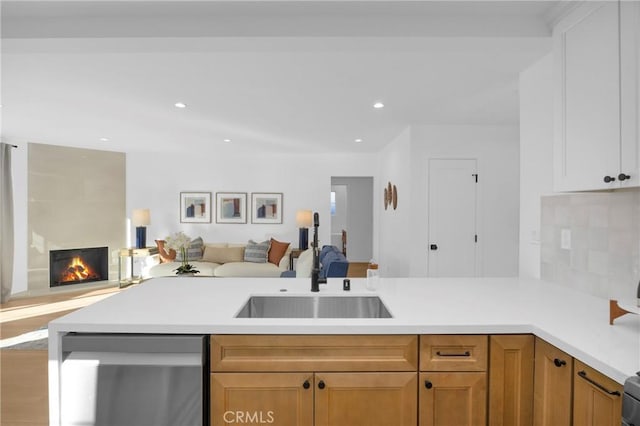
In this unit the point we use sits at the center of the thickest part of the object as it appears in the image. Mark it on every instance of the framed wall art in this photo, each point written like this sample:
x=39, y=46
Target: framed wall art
x=266, y=207
x=231, y=207
x=195, y=207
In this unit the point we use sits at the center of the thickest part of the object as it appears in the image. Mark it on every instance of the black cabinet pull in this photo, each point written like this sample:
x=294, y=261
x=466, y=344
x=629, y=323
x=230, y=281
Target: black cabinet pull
x=321, y=384
x=428, y=384
x=559, y=362
x=465, y=353
x=306, y=384
x=583, y=374
x=608, y=179
x=622, y=177
x=433, y=247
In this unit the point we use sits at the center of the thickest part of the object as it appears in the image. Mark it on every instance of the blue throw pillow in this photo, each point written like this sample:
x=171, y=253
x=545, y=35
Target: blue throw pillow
x=329, y=258
x=326, y=250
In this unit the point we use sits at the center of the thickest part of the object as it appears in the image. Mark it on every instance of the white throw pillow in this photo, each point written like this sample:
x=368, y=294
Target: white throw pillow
x=304, y=265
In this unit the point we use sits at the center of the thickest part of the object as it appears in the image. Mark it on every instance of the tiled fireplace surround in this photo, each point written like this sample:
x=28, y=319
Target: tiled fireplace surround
x=604, y=256
x=76, y=200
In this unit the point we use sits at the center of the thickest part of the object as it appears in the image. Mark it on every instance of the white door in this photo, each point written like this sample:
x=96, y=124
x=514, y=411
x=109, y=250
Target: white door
x=452, y=218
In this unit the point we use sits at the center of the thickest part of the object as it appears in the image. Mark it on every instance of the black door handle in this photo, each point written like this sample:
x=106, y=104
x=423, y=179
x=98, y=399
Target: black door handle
x=608, y=179
x=428, y=384
x=622, y=177
x=321, y=384
x=433, y=247
x=306, y=384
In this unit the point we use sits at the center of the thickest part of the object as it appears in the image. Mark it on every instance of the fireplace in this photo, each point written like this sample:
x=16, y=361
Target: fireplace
x=82, y=265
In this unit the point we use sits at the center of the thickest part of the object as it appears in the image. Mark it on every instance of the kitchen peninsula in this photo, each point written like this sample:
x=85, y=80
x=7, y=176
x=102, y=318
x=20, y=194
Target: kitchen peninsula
x=574, y=322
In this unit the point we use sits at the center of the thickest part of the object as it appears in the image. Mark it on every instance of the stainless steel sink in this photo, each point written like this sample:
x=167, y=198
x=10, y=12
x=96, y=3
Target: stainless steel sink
x=314, y=307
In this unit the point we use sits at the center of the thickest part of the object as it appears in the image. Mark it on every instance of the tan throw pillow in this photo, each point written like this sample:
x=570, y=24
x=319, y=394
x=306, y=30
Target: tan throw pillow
x=223, y=254
x=277, y=251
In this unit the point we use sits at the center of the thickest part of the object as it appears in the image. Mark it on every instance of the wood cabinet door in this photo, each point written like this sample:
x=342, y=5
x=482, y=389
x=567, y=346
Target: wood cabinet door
x=454, y=398
x=587, y=104
x=552, y=392
x=366, y=399
x=597, y=400
x=511, y=380
x=285, y=399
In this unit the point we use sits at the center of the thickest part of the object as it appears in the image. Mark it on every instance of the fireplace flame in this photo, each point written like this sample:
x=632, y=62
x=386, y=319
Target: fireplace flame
x=78, y=270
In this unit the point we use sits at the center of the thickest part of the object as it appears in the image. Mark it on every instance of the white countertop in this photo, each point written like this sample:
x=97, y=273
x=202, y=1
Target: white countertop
x=573, y=321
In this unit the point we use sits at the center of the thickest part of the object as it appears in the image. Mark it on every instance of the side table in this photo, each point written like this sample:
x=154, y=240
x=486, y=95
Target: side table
x=294, y=254
x=132, y=253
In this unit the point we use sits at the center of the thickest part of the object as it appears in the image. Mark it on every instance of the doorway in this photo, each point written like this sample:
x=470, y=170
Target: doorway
x=452, y=210
x=352, y=211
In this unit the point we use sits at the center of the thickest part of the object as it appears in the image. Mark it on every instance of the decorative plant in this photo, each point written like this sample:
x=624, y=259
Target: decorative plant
x=179, y=241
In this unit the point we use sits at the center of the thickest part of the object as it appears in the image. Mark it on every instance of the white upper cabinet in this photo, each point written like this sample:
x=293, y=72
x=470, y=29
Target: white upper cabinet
x=593, y=148
x=630, y=91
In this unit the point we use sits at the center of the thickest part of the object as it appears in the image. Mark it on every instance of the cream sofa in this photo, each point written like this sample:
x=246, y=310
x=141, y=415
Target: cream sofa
x=223, y=260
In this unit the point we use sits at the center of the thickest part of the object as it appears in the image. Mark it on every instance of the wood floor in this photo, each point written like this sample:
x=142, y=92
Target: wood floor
x=23, y=373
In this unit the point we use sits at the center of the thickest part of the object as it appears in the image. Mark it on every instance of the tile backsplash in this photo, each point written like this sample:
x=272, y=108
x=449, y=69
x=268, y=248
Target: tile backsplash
x=600, y=251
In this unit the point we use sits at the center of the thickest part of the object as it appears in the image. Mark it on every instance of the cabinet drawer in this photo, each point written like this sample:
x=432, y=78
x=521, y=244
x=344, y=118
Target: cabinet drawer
x=450, y=352
x=314, y=353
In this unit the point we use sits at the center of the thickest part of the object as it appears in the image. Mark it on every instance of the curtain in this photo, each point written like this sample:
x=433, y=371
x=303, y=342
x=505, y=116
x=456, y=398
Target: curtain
x=6, y=223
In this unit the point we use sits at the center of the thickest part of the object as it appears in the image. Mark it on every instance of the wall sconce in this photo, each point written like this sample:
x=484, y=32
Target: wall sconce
x=141, y=218
x=304, y=219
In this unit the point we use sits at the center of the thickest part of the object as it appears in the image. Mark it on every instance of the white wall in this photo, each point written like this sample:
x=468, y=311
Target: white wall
x=395, y=229
x=536, y=158
x=155, y=180
x=496, y=148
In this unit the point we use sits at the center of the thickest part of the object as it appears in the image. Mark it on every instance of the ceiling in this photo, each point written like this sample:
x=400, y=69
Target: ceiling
x=273, y=76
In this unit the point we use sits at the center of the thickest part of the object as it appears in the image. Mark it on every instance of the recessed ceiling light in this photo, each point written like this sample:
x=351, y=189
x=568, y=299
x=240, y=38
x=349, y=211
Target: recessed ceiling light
x=378, y=105
x=104, y=139
x=226, y=140
x=358, y=140
x=180, y=105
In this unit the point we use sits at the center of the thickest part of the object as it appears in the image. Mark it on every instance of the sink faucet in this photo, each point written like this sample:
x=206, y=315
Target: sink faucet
x=315, y=272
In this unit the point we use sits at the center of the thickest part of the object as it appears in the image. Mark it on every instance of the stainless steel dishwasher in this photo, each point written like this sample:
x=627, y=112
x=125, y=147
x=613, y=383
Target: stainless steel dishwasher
x=134, y=380
x=631, y=401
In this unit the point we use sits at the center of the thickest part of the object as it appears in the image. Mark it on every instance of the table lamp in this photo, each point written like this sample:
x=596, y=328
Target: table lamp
x=140, y=219
x=304, y=219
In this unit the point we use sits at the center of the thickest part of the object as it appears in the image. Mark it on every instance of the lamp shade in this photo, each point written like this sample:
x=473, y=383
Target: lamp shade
x=304, y=218
x=141, y=217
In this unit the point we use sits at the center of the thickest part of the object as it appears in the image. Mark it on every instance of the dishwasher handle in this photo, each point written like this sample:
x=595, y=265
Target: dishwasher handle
x=133, y=343
x=138, y=359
